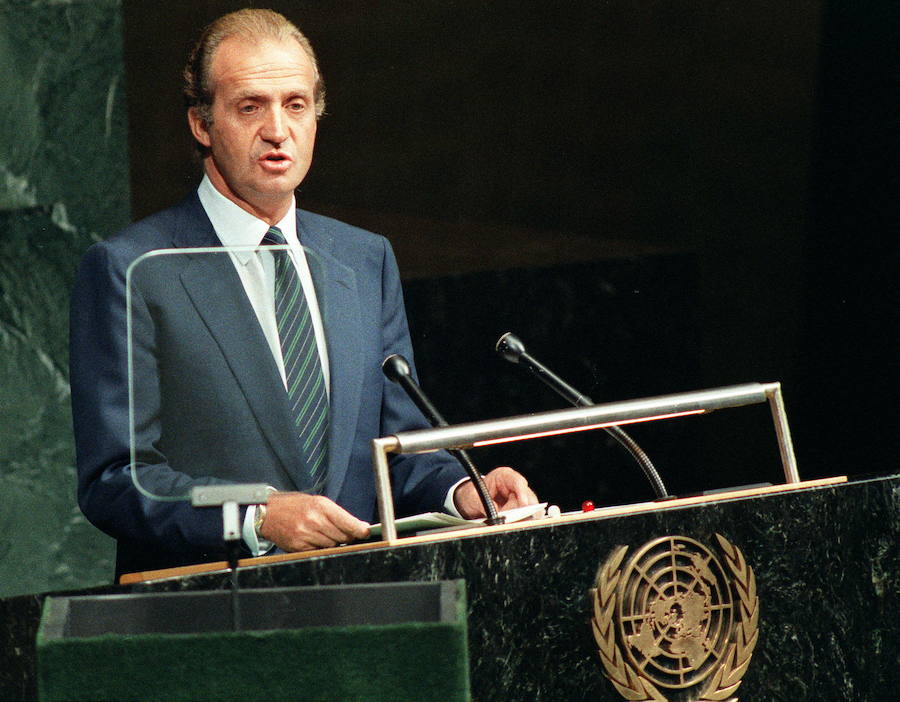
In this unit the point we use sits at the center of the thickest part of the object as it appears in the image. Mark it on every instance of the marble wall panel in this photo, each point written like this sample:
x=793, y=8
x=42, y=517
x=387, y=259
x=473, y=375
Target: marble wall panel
x=63, y=184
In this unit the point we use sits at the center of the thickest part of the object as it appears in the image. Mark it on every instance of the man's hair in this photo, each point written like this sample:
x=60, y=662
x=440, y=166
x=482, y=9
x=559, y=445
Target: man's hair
x=249, y=24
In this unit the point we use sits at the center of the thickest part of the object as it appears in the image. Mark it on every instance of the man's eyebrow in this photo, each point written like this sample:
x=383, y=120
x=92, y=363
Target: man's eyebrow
x=260, y=97
x=248, y=95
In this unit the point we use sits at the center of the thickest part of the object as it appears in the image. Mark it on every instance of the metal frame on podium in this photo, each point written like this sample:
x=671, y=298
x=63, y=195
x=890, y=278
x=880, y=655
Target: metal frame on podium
x=473, y=434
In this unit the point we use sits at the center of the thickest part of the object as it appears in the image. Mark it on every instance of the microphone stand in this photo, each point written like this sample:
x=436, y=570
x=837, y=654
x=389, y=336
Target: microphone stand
x=511, y=348
x=230, y=498
x=397, y=370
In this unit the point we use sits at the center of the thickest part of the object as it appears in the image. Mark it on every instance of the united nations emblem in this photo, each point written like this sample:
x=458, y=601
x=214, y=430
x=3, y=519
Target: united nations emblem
x=673, y=623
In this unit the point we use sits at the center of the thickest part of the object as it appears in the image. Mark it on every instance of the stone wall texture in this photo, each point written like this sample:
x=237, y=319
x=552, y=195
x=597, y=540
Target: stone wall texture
x=63, y=184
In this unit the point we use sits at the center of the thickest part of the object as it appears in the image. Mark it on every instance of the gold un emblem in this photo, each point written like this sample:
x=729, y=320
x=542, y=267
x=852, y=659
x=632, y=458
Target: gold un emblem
x=673, y=624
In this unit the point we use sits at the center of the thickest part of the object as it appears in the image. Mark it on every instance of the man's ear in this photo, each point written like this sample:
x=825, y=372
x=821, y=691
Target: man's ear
x=198, y=125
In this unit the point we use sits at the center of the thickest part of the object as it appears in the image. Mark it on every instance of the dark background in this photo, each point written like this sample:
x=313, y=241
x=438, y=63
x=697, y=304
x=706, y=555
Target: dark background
x=656, y=196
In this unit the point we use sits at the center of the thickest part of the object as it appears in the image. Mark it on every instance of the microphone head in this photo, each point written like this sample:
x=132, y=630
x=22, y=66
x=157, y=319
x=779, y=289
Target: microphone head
x=395, y=367
x=510, y=347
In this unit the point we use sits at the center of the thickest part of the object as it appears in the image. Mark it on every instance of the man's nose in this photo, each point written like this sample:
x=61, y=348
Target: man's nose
x=274, y=128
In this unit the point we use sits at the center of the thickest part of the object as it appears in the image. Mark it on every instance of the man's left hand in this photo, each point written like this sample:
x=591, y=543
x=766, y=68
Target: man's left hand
x=507, y=488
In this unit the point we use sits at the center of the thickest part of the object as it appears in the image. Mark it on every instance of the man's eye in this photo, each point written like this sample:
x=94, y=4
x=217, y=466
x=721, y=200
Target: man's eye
x=248, y=109
x=296, y=107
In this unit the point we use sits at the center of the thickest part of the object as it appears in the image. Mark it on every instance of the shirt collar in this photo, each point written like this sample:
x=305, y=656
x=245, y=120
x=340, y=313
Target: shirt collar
x=236, y=227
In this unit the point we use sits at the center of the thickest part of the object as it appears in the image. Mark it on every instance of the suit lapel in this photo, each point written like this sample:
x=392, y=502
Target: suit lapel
x=339, y=306
x=217, y=294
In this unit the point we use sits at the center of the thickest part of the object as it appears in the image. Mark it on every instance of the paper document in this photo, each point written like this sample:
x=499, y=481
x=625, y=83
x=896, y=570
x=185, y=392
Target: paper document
x=439, y=520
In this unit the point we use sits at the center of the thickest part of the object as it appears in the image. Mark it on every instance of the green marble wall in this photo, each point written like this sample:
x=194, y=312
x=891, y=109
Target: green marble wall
x=63, y=183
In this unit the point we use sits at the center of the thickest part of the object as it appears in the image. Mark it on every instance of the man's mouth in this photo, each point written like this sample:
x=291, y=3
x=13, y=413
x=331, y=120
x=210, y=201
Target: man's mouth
x=276, y=156
x=275, y=161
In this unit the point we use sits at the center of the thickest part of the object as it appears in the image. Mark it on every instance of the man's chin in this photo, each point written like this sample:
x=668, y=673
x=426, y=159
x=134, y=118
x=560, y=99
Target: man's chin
x=277, y=187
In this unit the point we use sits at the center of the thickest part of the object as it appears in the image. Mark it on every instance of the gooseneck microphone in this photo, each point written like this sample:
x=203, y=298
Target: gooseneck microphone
x=511, y=348
x=396, y=369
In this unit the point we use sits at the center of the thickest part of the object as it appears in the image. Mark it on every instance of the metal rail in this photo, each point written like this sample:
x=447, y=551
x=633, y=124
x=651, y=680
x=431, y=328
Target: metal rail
x=461, y=436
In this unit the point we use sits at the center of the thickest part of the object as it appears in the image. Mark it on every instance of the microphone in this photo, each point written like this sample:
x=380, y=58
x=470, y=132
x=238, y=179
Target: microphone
x=511, y=348
x=397, y=370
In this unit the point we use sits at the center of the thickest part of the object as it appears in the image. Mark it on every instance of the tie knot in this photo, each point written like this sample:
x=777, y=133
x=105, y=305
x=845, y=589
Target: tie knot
x=274, y=236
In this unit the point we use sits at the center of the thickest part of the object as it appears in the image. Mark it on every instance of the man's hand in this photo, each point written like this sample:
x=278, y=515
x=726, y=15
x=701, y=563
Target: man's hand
x=296, y=521
x=506, y=487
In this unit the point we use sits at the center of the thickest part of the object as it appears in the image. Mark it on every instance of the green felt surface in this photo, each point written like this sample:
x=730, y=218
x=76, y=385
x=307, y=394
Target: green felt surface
x=418, y=661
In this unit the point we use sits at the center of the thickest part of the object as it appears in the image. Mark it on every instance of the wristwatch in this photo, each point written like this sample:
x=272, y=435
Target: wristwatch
x=260, y=518
x=261, y=514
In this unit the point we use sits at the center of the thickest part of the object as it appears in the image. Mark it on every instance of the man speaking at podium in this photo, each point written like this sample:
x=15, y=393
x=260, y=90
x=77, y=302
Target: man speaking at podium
x=249, y=367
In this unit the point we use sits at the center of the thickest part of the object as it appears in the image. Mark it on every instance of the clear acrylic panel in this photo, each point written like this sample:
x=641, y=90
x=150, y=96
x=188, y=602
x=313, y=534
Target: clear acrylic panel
x=193, y=333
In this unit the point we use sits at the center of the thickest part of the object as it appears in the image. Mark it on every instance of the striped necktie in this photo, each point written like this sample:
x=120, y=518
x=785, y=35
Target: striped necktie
x=302, y=365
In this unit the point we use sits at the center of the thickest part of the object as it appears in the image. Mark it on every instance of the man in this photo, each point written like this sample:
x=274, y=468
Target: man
x=215, y=400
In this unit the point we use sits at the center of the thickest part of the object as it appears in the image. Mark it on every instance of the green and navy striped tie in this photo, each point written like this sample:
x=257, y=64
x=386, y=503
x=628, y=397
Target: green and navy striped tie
x=302, y=366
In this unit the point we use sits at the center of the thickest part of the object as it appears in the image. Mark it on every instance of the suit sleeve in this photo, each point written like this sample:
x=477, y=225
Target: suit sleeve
x=144, y=511
x=420, y=481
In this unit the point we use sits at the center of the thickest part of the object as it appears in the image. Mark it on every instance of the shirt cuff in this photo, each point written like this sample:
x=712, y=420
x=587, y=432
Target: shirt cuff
x=449, y=505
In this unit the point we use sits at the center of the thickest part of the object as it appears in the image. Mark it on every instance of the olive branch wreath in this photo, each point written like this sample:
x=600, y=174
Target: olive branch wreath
x=737, y=656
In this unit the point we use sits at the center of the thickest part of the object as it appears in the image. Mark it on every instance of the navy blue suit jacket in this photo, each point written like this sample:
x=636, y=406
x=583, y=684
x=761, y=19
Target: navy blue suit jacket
x=210, y=405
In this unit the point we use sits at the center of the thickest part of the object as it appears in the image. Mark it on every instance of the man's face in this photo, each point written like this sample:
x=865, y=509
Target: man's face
x=263, y=123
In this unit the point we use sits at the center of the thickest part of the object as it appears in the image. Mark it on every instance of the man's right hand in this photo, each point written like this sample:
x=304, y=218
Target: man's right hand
x=296, y=521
